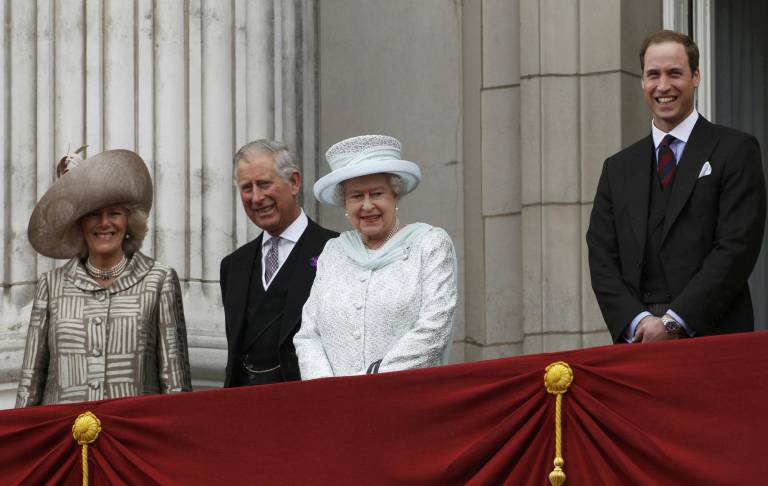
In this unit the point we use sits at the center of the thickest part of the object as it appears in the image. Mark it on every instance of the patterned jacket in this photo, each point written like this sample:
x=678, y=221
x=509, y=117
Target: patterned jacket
x=87, y=342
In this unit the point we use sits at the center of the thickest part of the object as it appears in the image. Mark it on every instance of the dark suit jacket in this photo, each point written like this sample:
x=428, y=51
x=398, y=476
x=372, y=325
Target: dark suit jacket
x=712, y=233
x=236, y=269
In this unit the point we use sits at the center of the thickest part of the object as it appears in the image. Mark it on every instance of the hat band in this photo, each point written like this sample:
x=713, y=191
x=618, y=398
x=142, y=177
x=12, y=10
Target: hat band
x=379, y=153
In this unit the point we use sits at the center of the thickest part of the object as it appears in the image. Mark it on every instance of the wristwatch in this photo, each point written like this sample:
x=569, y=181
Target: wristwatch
x=671, y=325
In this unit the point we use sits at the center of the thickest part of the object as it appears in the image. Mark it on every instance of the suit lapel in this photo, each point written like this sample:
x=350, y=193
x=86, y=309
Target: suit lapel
x=301, y=279
x=240, y=283
x=700, y=145
x=638, y=188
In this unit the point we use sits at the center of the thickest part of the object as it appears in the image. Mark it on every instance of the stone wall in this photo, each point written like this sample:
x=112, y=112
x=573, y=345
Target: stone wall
x=491, y=74
x=394, y=67
x=550, y=89
x=581, y=102
x=182, y=82
x=509, y=106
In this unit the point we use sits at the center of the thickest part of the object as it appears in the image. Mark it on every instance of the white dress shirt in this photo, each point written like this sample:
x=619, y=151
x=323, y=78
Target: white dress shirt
x=682, y=132
x=288, y=239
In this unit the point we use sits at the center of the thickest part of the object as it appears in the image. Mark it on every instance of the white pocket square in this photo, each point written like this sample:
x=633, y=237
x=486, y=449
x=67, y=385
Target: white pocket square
x=706, y=169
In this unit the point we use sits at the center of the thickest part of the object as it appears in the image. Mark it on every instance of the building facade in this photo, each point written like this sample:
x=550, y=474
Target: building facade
x=509, y=106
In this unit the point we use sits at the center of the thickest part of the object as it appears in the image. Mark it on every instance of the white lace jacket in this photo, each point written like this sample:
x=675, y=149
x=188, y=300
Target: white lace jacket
x=401, y=314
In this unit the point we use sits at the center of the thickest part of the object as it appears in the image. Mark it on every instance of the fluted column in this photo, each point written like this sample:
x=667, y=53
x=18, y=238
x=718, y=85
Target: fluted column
x=184, y=83
x=170, y=154
x=19, y=179
x=20, y=148
x=255, y=112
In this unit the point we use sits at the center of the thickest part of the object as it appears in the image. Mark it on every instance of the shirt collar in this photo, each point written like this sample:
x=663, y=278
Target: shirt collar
x=681, y=132
x=293, y=232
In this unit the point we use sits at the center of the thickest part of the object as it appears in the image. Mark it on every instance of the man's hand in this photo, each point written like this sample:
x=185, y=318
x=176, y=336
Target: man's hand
x=652, y=329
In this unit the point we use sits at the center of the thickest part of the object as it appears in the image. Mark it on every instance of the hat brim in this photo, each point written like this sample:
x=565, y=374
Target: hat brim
x=109, y=178
x=408, y=171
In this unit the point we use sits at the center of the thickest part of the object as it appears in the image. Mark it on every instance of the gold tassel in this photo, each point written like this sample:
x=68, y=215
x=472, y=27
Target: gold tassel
x=85, y=431
x=557, y=378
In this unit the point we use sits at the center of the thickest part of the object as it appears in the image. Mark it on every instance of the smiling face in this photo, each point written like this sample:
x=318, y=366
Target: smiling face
x=104, y=231
x=269, y=200
x=370, y=204
x=668, y=84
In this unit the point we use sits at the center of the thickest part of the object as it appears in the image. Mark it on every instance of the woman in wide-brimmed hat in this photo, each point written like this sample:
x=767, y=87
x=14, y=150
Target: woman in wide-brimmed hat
x=385, y=293
x=109, y=323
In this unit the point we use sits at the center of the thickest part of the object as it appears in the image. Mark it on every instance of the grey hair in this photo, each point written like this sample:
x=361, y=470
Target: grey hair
x=396, y=183
x=135, y=232
x=283, y=158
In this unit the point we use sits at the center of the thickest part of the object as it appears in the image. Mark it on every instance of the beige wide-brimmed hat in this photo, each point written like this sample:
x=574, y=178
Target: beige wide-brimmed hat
x=365, y=155
x=109, y=178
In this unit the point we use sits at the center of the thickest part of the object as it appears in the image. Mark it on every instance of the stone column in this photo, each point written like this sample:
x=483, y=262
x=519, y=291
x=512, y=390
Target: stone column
x=581, y=102
x=182, y=82
x=492, y=172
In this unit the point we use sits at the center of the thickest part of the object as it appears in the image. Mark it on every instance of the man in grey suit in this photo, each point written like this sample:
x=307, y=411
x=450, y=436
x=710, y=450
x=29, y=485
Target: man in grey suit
x=678, y=217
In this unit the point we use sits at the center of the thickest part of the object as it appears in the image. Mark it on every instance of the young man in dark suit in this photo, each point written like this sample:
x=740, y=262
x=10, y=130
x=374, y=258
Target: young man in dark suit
x=678, y=217
x=265, y=283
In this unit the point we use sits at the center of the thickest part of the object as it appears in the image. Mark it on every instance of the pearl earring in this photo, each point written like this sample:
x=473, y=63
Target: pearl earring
x=346, y=215
x=127, y=236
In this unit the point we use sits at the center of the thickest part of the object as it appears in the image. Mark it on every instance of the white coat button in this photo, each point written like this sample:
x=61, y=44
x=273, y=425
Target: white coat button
x=97, y=352
x=363, y=279
x=356, y=334
x=101, y=296
x=358, y=305
x=94, y=385
x=97, y=321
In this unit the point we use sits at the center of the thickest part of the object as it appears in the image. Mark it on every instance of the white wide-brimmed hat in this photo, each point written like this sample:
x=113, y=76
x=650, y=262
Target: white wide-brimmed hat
x=365, y=155
x=109, y=178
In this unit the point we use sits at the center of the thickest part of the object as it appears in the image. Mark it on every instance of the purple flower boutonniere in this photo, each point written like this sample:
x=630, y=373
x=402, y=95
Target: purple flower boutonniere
x=313, y=262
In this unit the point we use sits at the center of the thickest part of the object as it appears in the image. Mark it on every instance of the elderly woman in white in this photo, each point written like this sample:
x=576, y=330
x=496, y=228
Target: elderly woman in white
x=385, y=293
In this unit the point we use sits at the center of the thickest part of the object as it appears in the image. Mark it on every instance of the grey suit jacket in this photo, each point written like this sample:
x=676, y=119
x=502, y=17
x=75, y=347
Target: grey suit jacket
x=86, y=342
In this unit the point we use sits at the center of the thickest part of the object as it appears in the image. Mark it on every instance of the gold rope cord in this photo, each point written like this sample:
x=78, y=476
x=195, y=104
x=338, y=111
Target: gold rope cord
x=558, y=377
x=86, y=430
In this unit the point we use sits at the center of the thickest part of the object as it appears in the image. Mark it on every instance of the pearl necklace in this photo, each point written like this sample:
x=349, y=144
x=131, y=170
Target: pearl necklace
x=391, y=233
x=106, y=273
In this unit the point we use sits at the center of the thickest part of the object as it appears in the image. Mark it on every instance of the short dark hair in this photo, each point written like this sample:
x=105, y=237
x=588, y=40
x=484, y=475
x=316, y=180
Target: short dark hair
x=661, y=36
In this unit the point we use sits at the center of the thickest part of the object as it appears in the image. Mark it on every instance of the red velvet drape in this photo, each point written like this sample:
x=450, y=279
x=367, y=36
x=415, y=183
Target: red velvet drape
x=687, y=412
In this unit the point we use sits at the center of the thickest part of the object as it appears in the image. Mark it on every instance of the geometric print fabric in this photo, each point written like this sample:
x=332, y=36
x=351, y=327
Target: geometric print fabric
x=86, y=342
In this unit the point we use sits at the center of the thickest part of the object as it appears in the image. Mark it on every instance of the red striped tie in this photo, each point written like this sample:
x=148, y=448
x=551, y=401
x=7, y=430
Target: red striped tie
x=667, y=163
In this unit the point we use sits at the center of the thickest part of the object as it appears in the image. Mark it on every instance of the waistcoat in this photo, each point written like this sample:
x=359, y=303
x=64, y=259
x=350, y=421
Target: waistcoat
x=653, y=282
x=264, y=311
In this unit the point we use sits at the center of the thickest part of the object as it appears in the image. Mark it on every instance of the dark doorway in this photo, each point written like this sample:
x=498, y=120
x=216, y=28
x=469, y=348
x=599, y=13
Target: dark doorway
x=741, y=98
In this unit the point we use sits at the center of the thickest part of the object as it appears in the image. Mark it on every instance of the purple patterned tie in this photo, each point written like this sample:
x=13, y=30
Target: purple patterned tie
x=272, y=260
x=667, y=163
